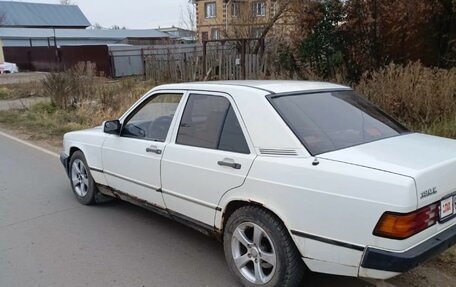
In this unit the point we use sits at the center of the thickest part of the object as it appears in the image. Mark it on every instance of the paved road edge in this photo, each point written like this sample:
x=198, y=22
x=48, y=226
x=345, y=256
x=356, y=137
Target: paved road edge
x=29, y=144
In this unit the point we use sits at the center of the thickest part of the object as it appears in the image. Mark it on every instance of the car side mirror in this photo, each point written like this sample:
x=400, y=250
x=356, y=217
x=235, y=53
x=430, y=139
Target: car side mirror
x=112, y=127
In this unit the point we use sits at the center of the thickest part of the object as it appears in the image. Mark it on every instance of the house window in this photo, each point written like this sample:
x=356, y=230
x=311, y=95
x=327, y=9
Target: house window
x=235, y=9
x=259, y=8
x=215, y=34
x=210, y=10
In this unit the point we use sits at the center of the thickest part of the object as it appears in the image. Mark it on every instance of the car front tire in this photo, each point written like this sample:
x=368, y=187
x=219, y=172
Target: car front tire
x=260, y=251
x=82, y=182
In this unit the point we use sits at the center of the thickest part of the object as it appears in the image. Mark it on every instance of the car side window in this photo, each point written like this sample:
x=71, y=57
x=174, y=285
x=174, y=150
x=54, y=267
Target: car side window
x=232, y=138
x=152, y=120
x=210, y=122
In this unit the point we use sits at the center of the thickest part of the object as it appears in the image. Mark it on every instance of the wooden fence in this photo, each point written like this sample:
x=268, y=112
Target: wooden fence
x=185, y=63
x=185, y=67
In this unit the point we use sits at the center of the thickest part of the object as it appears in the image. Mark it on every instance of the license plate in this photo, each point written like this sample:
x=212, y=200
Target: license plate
x=447, y=207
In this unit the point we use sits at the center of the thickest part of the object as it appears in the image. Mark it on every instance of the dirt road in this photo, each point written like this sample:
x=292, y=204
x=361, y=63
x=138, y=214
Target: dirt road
x=21, y=78
x=21, y=103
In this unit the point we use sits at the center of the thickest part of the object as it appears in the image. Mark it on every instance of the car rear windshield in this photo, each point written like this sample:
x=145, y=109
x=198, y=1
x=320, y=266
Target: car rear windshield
x=333, y=120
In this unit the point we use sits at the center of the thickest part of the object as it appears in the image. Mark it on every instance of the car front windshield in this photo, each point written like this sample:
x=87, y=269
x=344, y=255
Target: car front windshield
x=333, y=120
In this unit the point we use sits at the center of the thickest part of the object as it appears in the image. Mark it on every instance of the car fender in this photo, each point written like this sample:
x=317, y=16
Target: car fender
x=90, y=143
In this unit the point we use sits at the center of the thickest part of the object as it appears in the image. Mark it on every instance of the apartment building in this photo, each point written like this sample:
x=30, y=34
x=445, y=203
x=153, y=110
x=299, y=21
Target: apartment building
x=218, y=19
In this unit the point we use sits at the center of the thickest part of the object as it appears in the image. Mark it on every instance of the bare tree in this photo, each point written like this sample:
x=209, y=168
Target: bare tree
x=188, y=16
x=117, y=27
x=246, y=23
x=66, y=2
x=241, y=23
x=96, y=26
x=282, y=6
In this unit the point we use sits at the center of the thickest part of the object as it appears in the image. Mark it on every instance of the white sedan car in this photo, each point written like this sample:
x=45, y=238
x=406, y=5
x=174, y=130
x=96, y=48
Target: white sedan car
x=8, y=68
x=287, y=174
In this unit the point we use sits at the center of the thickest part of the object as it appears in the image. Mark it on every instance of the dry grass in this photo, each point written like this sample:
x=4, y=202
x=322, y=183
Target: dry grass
x=113, y=99
x=106, y=100
x=71, y=88
x=424, y=99
x=21, y=90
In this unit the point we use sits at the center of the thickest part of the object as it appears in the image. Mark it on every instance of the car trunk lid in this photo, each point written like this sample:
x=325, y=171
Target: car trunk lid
x=429, y=160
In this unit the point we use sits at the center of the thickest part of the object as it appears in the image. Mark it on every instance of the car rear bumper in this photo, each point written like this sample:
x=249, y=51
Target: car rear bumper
x=401, y=262
x=65, y=160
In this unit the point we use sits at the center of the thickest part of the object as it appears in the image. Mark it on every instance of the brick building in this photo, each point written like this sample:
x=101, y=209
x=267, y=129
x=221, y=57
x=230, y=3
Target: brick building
x=217, y=19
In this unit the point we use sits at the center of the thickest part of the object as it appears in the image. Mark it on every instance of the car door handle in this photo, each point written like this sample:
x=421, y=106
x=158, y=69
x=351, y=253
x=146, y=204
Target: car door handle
x=229, y=164
x=154, y=149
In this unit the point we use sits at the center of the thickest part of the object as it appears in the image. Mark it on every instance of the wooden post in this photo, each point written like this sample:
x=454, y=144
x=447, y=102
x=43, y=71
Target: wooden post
x=185, y=76
x=144, y=63
x=221, y=56
x=204, y=58
x=168, y=67
x=262, y=46
x=243, y=51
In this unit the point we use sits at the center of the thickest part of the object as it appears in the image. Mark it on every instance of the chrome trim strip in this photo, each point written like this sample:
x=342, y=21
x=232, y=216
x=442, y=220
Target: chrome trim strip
x=96, y=169
x=327, y=240
x=193, y=200
x=127, y=179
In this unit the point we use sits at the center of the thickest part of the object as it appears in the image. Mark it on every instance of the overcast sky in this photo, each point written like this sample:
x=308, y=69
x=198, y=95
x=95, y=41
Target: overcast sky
x=134, y=14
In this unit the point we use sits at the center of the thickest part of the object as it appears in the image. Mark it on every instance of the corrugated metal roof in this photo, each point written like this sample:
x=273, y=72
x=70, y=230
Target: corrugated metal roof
x=23, y=14
x=33, y=33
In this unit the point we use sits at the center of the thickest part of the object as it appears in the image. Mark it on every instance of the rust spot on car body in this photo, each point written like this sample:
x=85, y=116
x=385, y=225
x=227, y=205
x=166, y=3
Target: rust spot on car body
x=199, y=226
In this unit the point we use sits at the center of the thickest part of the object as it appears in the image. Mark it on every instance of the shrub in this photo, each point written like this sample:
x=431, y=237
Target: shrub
x=420, y=97
x=72, y=87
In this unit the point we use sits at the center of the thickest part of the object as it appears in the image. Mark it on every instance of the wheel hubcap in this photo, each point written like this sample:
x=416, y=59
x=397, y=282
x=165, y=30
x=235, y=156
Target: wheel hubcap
x=80, y=178
x=253, y=253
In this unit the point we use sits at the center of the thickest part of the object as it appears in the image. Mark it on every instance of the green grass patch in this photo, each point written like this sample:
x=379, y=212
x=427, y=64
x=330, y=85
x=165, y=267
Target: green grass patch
x=4, y=93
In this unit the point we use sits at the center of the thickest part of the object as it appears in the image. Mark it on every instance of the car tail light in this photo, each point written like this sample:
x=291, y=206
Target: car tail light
x=401, y=226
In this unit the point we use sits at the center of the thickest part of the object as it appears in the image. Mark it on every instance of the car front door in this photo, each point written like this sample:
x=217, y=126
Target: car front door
x=131, y=160
x=209, y=154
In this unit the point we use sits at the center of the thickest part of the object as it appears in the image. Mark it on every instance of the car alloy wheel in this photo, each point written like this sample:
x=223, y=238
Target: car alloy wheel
x=80, y=178
x=253, y=253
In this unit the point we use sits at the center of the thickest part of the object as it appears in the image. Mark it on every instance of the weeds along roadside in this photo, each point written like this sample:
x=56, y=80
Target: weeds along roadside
x=79, y=99
x=424, y=99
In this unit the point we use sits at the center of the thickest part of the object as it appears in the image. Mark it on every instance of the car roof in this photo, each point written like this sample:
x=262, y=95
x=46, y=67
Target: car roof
x=267, y=86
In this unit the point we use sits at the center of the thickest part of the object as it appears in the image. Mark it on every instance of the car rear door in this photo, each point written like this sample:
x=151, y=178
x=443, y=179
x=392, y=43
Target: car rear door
x=131, y=160
x=209, y=154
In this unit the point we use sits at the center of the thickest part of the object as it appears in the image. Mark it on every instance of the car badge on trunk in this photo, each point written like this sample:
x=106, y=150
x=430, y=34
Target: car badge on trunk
x=428, y=192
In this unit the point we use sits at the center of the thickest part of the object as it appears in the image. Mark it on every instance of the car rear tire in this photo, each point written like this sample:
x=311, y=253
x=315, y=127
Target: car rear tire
x=260, y=251
x=82, y=183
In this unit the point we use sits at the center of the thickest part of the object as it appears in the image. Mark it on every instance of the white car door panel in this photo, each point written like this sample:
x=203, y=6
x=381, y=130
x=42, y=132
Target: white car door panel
x=194, y=182
x=131, y=161
x=209, y=156
x=128, y=167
